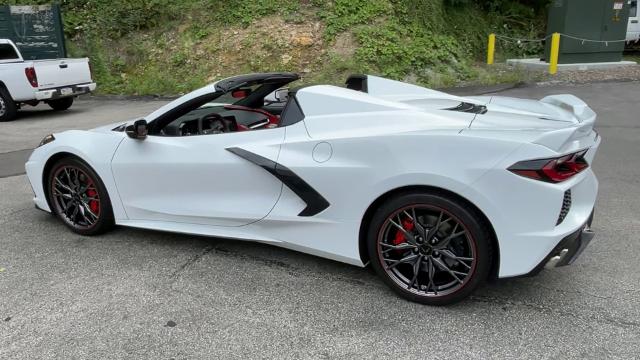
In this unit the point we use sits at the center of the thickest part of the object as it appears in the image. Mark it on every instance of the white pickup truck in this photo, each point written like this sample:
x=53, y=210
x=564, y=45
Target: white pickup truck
x=56, y=82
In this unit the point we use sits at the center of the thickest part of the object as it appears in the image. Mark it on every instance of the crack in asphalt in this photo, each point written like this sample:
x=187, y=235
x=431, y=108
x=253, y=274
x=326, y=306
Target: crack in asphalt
x=290, y=269
x=550, y=310
x=271, y=263
x=192, y=260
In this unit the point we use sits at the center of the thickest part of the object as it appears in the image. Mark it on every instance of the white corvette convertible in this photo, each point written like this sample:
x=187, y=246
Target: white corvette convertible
x=436, y=192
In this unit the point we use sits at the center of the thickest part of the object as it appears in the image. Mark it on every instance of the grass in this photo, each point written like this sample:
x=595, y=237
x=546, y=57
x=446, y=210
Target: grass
x=164, y=47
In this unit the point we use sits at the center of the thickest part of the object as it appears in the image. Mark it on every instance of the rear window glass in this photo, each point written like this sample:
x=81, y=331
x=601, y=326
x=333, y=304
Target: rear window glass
x=7, y=52
x=634, y=9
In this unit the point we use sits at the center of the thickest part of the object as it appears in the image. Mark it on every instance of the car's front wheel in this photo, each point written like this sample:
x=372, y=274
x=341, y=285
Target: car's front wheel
x=429, y=248
x=79, y=198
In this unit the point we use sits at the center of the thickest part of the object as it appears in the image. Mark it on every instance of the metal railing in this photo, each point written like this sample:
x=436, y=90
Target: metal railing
x=555, y=46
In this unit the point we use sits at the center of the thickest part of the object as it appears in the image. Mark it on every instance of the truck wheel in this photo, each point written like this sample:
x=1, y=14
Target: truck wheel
x=7, y=106
x=60, y=104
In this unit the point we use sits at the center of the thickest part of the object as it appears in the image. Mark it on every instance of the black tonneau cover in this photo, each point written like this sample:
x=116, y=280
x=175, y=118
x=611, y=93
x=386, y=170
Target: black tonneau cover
x=235, y=82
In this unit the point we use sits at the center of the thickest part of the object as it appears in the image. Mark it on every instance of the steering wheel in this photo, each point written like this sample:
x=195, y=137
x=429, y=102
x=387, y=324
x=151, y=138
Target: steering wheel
x=217, y=125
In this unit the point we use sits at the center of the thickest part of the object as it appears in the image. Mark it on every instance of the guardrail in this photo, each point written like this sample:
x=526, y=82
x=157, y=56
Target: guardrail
x=555, y=46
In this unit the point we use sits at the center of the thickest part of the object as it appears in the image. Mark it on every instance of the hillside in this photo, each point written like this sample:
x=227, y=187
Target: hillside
x=166, y=47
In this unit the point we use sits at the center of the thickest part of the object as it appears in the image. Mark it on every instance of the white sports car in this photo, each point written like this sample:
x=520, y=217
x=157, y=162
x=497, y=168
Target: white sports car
x=437, y=192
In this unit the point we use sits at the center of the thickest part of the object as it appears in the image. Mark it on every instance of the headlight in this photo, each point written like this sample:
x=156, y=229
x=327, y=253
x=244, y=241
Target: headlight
x=47, y=139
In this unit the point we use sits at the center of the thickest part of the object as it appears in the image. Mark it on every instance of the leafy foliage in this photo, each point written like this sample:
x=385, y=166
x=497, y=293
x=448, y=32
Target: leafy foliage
x=396, y=50
x=344, y=14
x=170, y=47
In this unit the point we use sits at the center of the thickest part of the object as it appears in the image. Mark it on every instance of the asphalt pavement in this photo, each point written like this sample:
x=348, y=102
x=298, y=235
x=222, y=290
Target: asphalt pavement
x=143, y=294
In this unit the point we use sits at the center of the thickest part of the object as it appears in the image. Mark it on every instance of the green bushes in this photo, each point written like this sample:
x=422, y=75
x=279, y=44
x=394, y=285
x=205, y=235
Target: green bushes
x=399, y=51
x=170, y=47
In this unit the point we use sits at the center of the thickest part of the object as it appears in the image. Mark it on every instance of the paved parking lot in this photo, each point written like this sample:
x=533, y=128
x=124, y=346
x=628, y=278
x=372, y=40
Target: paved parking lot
x=144, y=294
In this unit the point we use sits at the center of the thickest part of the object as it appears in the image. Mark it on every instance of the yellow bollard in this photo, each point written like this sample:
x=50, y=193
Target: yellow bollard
x=491, y=48
x=555, y=51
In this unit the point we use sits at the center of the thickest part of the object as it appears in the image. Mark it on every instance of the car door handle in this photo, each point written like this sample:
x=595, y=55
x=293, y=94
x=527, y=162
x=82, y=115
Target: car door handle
x=634, y=21
x=63, y=66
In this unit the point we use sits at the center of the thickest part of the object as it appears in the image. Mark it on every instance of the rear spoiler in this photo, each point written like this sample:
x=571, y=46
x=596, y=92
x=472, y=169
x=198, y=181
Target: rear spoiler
x=573, y=104
x=586, y=118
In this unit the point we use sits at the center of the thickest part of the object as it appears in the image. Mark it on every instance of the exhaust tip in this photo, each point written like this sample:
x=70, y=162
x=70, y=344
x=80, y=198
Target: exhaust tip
x=556, y=259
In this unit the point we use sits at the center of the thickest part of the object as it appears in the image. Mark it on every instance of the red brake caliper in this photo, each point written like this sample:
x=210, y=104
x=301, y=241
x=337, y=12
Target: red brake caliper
x=407, y=224
x=94, y=205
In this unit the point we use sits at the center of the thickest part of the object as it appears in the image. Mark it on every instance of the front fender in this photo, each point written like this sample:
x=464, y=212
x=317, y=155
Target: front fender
x=94, y=148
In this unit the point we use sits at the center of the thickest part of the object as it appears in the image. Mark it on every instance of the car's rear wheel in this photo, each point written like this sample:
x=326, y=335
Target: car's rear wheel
x=8, y=108
x=429, y=248
x=78, y=197
x=60, y=104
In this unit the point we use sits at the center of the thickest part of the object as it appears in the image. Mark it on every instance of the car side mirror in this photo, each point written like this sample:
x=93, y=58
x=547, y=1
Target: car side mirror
x=138, y=130
x=282, y=95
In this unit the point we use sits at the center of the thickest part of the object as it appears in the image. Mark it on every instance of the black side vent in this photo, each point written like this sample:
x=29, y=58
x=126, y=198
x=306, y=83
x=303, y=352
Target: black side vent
x=566, y=206
x=469, y=108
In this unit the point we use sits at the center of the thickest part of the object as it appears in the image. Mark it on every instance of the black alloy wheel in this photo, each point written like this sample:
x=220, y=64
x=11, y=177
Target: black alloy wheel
x=429, y=248
x=78, y=197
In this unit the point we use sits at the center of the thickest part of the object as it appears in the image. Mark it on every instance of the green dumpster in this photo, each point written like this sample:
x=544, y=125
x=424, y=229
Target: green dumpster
x=35, y=29
x=600, y=20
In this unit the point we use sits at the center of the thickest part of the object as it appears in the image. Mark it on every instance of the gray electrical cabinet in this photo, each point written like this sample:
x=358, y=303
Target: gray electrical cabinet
x=35, y=29
x=602, y=20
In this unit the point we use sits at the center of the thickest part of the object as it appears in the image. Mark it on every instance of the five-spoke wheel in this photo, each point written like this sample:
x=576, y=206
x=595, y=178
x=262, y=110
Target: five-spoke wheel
x=428, y=247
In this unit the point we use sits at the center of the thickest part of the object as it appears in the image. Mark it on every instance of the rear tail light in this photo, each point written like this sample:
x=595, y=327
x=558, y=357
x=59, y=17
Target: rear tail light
x=553, y=170
x=30, y=72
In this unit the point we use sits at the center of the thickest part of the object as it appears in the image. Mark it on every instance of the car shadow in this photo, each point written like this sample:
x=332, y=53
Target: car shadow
x=503, y=292
x=194, y=249
x=42, y=113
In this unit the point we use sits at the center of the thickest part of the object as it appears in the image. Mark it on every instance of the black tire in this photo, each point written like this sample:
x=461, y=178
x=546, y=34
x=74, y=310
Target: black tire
x=8, y=109
x=103, y=219
x=60, y=104
x=475, y=240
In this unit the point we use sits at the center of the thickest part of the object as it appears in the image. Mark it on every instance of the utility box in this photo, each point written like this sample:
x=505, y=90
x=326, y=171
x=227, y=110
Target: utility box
x=602, y=20
x=35, y=29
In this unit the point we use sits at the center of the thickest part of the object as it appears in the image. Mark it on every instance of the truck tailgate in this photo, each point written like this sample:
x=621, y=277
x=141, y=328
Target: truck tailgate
x=62, y=72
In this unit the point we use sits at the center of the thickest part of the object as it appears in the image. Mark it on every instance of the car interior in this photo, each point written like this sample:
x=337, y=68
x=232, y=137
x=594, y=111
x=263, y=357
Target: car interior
x=243, y=109
x=246, y=108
